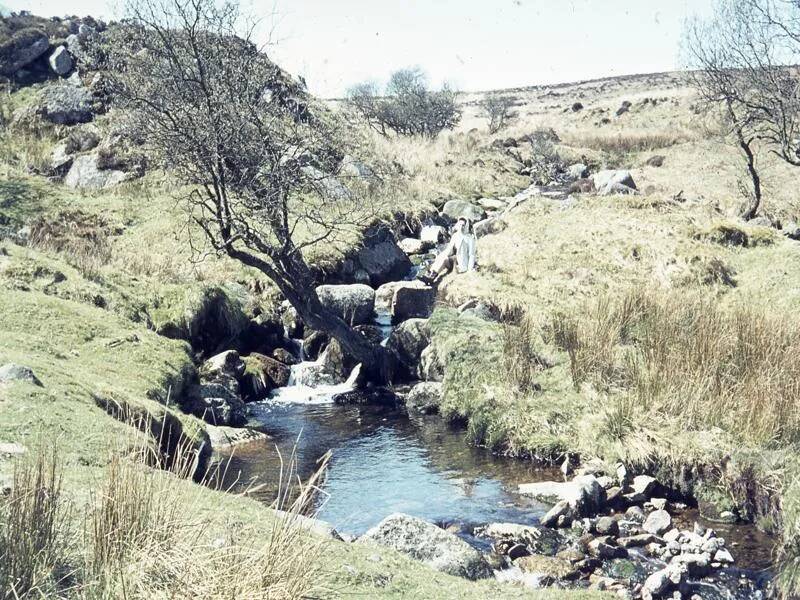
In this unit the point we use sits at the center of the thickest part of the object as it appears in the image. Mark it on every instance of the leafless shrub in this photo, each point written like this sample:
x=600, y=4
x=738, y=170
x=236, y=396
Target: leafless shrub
x=407, y=106
x=498, y=109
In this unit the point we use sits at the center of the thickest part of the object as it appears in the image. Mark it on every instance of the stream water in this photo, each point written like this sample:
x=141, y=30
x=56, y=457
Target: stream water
x=385, y=461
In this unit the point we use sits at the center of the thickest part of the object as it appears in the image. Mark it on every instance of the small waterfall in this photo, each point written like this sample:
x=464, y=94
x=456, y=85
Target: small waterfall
x=309, y=383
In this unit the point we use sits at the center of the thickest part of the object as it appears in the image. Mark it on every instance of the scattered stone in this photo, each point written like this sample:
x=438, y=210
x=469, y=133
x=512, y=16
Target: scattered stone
x=607, y=526
x=638, y=541
x=696, y=564
x=584, y=494
x=642, y=488
x=490, y=226
x=673, y=535
x=355, y=303
x=86, y=173
x=605, y=548
x=65, y=104
x=13, y=372
x=562, y=508
x=425, y=397
x=492, y=204
x=455, y=209
x=657, y=522
x=657, y=584
x=614, y=182
x=60, y=61
x=538, y=540
x=659, y=503
x=655, y=161
x=429, y=544
x=577, y=171
x=432, y=234
x=548, y=566
x=635, y=514
x=412, y=246
x=723, y=556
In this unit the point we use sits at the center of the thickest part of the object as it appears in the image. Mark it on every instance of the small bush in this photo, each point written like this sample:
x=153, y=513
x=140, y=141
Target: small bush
x=499, y=111
x=407, y=106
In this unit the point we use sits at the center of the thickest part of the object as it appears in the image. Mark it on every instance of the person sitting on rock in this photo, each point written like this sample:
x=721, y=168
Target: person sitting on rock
x=460, y=252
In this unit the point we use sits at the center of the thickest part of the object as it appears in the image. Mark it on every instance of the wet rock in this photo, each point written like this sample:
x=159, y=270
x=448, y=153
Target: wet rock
x=657, y=522
x=24, y=47
x=406, y=300
x=284, y=356
x=723, y=556
x=355, y=303
x=65, y=104
x=639, y=541
x=292, y=323
x=315, y=343
x=605, y=547
x=382, y=259
x=11, y=372
x=407, y=341
x=262, y=375
x=696, y=564
x=86, y=173
x=630, y=570
x=223, y=437
x=60, y=61
x=548, y=566
x=371, y=396
x=455, y=209
x=225, y=363
x=635, y=514
x=661, y=582
x=217, y=404
x=538, y=540
x=425, y=397
x=606, y=526
x=429, y=544
x=584, y=494
x=561, y=509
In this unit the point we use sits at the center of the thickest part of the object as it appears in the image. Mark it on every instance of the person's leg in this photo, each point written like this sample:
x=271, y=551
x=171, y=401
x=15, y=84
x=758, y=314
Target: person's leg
x=446, y=269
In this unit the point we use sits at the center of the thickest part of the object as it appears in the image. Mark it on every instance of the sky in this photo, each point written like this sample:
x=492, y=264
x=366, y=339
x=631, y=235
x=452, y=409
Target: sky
x=471, y=44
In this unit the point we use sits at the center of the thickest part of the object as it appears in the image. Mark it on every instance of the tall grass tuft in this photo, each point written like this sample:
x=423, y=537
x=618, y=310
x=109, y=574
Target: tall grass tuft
x=521, y=361
x=33, y=529
x=738, y=369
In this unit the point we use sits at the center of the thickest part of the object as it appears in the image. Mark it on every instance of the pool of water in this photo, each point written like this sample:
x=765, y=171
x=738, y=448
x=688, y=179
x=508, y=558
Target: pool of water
x=384, y=461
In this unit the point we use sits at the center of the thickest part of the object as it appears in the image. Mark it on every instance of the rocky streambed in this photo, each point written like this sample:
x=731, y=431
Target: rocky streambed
x=406, y=480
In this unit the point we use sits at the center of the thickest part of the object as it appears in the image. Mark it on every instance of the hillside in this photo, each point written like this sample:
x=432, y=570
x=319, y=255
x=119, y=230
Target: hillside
x=653, y=329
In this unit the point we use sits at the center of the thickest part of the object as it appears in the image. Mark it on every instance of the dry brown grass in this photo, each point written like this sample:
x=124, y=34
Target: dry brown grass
x=628, y=141
x=737, y=369
x=148, y=533
x=33, y=529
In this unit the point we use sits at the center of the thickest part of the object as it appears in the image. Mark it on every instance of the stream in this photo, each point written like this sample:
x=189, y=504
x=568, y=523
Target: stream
x=385, y=460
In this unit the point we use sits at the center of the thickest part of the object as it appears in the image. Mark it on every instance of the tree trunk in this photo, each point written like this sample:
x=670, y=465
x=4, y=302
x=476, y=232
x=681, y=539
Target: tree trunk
x=295, y=281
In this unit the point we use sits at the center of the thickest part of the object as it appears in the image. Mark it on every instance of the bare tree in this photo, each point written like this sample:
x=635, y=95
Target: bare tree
x=742, y=54
x=407, y=106
x=254, y=150
x=498, y=109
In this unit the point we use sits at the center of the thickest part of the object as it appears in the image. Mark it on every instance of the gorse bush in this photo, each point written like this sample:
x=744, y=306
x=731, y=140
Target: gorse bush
x=738, y=369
